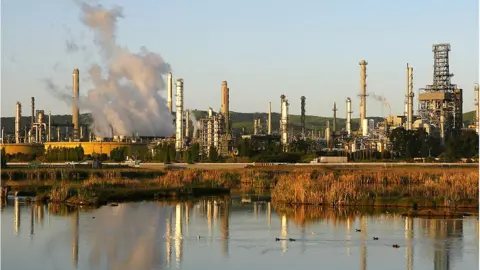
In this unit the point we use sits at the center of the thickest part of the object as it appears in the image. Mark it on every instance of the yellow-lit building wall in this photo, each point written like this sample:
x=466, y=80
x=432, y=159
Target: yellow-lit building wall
x=90, y=148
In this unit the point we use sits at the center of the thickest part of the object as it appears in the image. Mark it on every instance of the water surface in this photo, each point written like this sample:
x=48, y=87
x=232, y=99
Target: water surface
x=219, y=234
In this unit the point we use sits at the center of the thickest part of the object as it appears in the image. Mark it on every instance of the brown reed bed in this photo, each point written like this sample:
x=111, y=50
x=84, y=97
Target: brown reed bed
x=440, y=188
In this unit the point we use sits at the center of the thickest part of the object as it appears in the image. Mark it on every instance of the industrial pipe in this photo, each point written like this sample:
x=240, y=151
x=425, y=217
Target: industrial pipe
x=49, y=125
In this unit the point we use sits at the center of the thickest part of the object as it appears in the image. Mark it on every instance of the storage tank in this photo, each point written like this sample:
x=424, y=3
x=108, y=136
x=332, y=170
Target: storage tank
x=371, y=125
x=365, y=127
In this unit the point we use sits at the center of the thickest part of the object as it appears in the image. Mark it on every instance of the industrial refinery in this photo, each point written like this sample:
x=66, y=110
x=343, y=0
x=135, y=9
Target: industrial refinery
x=439, y=112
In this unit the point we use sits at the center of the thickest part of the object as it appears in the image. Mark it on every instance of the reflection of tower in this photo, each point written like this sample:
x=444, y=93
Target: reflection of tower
x=225, y=225
x=75, y=222
x=255, y=210
x=284, y=232
x=408, y=242
x=40, y=214
x=349, y=235
x=187, y=216
x=32, y=220
x=178, y=234
x=269, y=214
x=16, y=218
x=209, y=218
x=168, y=239
x=363, y=226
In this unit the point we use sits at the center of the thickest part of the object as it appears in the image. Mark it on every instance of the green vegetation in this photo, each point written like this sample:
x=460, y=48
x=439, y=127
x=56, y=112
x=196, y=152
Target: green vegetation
x=64, y=154
x=408, y=144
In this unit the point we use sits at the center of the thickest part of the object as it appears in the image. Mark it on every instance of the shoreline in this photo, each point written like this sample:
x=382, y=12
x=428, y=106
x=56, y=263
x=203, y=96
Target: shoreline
x=334, y=186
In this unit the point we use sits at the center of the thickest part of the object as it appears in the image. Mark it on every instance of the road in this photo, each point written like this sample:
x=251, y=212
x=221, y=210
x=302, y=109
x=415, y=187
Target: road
x=219, y=166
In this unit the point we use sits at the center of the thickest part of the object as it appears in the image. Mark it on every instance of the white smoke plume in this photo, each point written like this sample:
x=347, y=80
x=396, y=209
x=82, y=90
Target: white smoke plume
x=125, y=94
x=381, y=99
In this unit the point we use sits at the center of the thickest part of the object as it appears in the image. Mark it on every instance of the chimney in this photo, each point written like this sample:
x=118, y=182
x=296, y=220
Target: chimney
x=169, y=92
x=334, y=116
x=33, y=113
x=269, y=118
x=75, y=110
x=302, y=114
x=410, y=98
x=226, y=105
x=179, y=117
x=476, y=108
x=18, y=116
x=363, y=91
x=284, y=123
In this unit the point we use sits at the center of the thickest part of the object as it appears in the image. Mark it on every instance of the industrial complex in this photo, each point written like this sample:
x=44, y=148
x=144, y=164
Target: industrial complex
x=439, y=112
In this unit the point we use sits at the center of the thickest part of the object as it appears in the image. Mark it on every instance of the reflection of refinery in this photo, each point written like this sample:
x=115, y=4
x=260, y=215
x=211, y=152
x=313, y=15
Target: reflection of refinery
x=111, y=236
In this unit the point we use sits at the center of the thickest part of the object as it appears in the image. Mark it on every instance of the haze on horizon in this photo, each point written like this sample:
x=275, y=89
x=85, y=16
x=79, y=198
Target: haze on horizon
x=262, y=50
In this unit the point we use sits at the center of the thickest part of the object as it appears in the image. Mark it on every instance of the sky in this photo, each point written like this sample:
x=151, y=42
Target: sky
x=262, y=48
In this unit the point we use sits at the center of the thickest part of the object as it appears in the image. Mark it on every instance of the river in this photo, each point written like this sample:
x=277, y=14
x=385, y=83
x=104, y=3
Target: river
x=224, y=234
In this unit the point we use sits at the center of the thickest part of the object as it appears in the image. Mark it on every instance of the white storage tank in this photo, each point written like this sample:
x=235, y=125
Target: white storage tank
x=365, y=127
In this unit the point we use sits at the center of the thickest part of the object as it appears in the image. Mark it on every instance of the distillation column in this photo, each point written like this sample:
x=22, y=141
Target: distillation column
x=187, y=123
x=169, y=92
x=334, y=116
x=284, y=122
x=18, y=116
x=179, y=117
x=270, y=118
x=410, y=98
x=363, y=91
x=75, y=110
x=476, y=108
x=349, y=116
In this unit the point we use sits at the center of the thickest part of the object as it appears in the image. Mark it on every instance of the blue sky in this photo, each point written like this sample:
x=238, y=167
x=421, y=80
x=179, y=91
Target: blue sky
x=262, y=48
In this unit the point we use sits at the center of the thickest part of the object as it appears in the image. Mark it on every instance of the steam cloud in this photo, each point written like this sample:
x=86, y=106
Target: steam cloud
x=383, y=100
x=127, y=98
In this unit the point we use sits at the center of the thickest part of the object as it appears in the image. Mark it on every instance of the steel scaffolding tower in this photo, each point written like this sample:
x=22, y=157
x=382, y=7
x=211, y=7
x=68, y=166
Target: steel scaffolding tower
x=441, y=97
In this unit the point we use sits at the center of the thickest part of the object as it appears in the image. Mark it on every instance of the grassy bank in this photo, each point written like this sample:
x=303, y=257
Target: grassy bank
x=411, y=188
x=377, y=186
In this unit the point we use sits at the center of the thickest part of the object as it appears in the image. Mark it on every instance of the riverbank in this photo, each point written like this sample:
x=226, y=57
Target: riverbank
x=369, y=186
x=452, y=188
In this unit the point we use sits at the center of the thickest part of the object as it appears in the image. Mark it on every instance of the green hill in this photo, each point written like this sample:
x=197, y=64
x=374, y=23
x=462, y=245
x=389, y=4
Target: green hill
x=238, y=119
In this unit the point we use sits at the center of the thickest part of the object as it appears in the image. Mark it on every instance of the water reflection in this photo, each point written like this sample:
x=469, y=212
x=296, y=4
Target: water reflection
x=146, y=235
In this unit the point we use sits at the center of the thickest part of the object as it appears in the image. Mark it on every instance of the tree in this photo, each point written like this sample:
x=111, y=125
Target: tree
x=212, y=154
x=3, y=159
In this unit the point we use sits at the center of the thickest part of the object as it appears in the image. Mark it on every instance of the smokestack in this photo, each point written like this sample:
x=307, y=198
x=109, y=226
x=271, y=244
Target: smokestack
x=476, y=108
x=407, y=90
x=49, y=126
x=169, y=92
x=179, y=117
x=18, y=116
x=349, y=116
x=33, y=113
x=75, y=110
x=187, y=123
x=284, y=122
x=302, y=116
x=334, y=116
x=363, y=90
x=410, y=98
x=270, y=118
x=226, y=105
